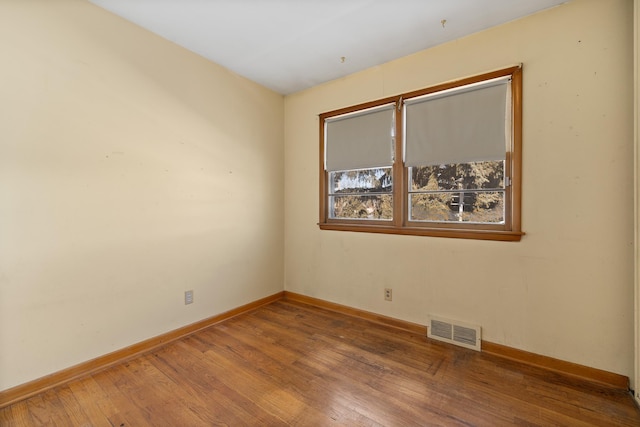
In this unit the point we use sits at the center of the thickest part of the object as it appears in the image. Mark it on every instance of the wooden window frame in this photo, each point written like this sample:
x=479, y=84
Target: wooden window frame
x=509, y=231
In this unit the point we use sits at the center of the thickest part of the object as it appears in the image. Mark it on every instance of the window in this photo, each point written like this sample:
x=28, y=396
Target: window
x=442, y=161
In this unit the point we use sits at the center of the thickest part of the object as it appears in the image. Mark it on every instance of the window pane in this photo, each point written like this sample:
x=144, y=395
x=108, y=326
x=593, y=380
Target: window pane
x=477, y=207
x=361, y=194
x=379, y=206
x=431, y=207
x=478, y=175
x=377, y=180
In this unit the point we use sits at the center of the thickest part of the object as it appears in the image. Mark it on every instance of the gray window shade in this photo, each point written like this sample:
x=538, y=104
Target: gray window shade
x=470, y=124
x=360, y=140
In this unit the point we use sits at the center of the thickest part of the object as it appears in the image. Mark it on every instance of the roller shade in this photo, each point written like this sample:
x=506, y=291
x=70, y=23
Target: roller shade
x=360, y=140
x=467, y=124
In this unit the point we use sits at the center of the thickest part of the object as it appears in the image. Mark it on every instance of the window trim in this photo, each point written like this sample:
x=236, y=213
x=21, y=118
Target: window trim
x=400, y=224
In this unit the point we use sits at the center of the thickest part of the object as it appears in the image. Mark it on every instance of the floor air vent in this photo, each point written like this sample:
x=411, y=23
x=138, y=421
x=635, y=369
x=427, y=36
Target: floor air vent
x=454, y=332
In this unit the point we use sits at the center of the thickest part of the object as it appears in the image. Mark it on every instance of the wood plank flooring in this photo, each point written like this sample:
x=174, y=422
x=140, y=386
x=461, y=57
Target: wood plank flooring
x=289, y=364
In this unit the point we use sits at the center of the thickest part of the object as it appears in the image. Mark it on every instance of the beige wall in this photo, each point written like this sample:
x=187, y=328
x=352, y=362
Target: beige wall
x=565, y=290
x=130, y=171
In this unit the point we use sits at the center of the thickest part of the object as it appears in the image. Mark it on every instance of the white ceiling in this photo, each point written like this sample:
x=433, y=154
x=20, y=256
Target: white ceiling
x=291, y=45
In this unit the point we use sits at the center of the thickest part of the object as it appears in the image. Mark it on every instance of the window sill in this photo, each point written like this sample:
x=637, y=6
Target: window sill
x=497, y=235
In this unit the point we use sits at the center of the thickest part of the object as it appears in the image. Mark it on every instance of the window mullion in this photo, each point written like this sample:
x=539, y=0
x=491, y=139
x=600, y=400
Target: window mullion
x=399, y=175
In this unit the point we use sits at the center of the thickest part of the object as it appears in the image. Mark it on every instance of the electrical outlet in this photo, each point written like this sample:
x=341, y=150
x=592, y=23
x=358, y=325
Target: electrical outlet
x=188, y=297
x=388, y=294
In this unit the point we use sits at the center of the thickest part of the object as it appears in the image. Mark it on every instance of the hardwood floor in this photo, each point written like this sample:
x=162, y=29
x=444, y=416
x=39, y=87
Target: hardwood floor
x=292, y=364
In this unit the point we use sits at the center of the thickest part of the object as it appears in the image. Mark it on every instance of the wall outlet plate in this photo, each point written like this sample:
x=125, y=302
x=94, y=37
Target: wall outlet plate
x=188, y=297
x=388, y=294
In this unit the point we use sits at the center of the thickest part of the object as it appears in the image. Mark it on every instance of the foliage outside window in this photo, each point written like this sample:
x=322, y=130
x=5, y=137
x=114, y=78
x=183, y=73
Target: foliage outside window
x=442, y=161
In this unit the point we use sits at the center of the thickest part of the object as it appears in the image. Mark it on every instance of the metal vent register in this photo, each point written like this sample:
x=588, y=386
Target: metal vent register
x=454, y=332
